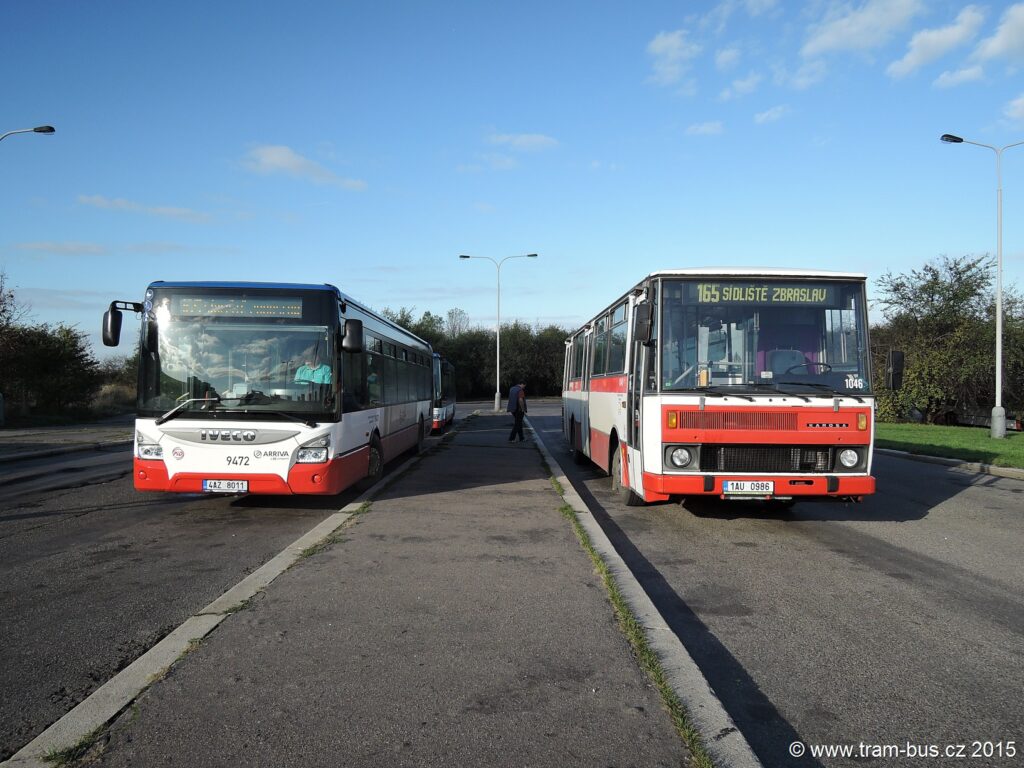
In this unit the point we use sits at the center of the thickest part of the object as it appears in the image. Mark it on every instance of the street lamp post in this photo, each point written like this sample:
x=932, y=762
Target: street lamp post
x=37, y=129
x=998, y=429
x=497, y=327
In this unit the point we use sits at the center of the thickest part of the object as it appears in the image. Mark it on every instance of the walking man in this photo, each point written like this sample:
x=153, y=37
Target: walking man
x=517, y=407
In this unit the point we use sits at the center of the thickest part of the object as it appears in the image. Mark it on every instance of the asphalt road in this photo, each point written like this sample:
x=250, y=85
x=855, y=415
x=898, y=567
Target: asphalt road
x=897, y=621
x=893, y=622
x=93, y=574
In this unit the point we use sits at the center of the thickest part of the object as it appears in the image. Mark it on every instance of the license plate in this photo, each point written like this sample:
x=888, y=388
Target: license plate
x=748, y=487
x=226, y=486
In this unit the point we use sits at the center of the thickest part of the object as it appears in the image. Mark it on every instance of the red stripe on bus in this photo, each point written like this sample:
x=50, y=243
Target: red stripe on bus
x=817, y=485
x=323, y=479
x=608, y=384
x=599, y=448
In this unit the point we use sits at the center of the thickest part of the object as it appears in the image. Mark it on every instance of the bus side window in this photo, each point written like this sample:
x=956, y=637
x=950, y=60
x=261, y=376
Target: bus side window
x=374, y=379
x=355, y=396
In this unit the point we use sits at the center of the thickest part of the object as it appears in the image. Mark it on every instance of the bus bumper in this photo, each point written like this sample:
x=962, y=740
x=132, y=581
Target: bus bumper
x=795, y=486
x=318, y=479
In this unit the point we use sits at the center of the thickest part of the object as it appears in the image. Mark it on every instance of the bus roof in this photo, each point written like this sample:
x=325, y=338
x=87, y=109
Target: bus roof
x=325, y=287
x=270, y=286
x=758, y=272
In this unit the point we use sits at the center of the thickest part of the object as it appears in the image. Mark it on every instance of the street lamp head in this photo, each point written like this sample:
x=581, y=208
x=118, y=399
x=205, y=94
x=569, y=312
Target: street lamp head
x=44, y=129
x=464, y=256
x=949, y=138
x=531, y=255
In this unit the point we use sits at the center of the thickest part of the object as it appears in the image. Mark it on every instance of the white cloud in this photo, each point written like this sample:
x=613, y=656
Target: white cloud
x=672, y=53
x=1008, y=41
x=930, y=44
x=860, y=29
x=270, y=159
x=705, y=129
x=950, y=79
x=120, y=204
x=771, y=115
x=727, y=58
x=1015, y=109
x=741, y=87
x=757, y=7
x=523, y=142
x=67, y=248
x=810, y=73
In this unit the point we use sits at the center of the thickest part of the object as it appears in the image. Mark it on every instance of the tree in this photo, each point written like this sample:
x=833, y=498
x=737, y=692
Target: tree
x=456, y=323
x=942, y=317
x=12, y=311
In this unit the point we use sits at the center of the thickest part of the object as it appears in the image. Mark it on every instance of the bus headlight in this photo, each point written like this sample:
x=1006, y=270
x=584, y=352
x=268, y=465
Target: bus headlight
x=849, y=458
x=315, y=451
x=311, y=456
x=680, y=457
x=151, y=451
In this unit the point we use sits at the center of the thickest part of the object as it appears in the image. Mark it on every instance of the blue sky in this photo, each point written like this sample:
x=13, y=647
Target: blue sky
x=368, y=144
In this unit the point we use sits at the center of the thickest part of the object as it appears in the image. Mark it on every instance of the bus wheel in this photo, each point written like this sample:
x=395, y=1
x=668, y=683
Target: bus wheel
x=621, y=492
x=375, y=470
x=577, y=455
x=420, y=436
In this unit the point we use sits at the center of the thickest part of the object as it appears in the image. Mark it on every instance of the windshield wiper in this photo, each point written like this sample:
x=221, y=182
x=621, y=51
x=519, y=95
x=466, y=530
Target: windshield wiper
x=179, y=408
x=309, y=422
x=827, y=390
x=774, y=387
x=716, y=390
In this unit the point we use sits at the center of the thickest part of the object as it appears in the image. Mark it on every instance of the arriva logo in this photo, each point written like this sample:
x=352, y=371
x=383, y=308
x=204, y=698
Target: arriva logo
x=228, y=435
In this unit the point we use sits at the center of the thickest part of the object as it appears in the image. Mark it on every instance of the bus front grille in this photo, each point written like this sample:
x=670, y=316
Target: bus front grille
x=766, y=458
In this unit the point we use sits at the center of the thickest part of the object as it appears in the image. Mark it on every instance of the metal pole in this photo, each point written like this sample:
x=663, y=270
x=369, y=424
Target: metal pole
x=998, y=426
x=497, y=335
x=497, y=327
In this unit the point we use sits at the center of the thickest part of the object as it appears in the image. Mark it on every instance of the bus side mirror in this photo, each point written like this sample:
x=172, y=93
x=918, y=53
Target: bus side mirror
x=894, y=370
x=352, y=341
x=112, y=326
x=643, y=325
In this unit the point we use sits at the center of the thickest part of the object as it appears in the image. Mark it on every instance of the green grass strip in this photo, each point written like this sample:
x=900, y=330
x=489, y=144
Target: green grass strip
x=963, y=443
x=74, y=753
x=645, y=655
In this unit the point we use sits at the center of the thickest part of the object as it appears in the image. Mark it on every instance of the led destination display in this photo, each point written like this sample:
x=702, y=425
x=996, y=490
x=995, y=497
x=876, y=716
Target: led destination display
x=275, y=307
x=805, y=294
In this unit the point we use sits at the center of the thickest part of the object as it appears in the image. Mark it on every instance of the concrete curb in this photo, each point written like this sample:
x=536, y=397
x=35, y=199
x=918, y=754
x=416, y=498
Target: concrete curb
x=725, y=744
x=967, y=466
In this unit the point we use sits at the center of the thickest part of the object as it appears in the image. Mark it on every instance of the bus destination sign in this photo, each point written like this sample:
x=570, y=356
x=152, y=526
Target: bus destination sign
x=806, y=294
x=273, y=307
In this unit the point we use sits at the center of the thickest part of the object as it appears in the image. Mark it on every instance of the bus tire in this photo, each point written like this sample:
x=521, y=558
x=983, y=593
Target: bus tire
x=421, y=435
x=578, y=456
x=621, y=492
x=375, y=468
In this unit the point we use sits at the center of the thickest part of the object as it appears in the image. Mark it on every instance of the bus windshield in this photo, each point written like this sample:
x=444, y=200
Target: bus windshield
x=236, y=359
x=801, y=336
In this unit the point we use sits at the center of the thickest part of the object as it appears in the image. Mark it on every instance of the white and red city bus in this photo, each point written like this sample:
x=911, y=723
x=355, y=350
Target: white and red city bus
x=444, y=393
x=270, y=388
x=736, y=383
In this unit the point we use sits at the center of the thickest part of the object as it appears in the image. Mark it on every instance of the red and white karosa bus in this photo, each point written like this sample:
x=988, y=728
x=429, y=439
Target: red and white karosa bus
x=270, y=388
x=737, y=383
